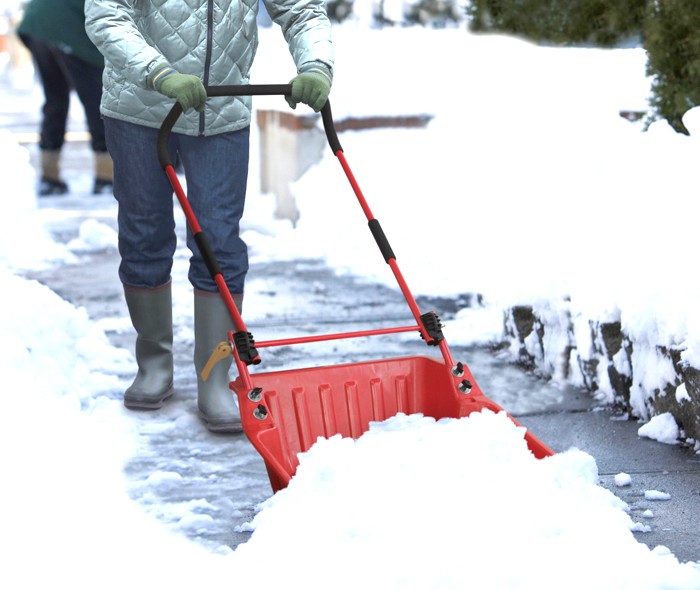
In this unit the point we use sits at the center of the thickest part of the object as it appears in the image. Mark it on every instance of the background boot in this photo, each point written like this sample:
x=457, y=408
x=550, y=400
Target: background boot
x=104, y=174
x=215, y=400
x=151, y=314
x=51, y=183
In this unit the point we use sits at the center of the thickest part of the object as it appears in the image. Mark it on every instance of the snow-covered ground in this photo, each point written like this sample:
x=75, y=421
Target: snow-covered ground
x=526, y=187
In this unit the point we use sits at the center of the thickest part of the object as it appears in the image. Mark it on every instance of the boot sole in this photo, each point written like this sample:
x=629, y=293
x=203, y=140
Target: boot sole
x=225, y=428
x=154, y=405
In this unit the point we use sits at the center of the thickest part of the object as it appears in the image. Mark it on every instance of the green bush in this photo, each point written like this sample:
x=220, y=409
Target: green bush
x=563, y=22
x=672, y=41
x=669, y=30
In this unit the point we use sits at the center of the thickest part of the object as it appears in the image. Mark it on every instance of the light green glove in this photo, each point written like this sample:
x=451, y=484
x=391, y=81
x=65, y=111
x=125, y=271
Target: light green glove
x=186, y=89
x=311, y=87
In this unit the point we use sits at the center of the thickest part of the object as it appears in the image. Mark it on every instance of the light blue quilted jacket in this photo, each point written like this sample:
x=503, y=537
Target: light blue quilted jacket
x=213, y=39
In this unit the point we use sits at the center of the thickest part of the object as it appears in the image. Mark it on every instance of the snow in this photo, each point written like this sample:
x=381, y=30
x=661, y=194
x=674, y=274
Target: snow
x=656, y=495
x=622, y=480
x=662, y=428
x=526, y=187
x=682, y=394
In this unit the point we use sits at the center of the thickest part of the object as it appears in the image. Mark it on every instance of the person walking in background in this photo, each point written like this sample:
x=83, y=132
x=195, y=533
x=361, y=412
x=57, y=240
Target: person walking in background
x=65, y=59
x=155, y=50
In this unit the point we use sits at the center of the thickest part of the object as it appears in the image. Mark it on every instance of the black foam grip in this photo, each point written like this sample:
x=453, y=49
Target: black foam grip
x=207, y=254
x=381, y=240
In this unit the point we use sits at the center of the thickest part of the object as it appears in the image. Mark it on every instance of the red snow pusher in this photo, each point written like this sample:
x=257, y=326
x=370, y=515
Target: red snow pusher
x=284, y=412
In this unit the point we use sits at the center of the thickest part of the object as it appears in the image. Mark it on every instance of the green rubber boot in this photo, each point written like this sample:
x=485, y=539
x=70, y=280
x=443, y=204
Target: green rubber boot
x=151, y=314
x=216, y=402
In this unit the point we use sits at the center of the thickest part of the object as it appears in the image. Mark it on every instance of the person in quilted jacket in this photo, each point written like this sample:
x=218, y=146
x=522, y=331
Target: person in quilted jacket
x=157, y=51
x=65, y=59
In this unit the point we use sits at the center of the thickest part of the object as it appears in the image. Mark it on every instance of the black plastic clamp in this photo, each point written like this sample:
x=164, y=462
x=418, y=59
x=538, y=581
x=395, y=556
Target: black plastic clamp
x=433, y=327
x=245, y=346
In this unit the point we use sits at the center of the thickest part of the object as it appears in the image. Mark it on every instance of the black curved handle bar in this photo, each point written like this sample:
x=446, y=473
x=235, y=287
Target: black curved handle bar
x=241, y=90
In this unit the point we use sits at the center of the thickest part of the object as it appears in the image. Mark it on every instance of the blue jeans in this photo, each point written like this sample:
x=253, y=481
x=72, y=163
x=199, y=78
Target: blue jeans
x=216, y=171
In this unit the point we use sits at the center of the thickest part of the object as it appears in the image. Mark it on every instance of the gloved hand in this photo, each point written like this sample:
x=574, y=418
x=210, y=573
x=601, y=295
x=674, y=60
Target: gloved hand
x=312, y=87
x=186, y=89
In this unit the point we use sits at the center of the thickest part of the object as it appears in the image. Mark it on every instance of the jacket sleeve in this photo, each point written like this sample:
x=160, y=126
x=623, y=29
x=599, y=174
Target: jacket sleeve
x=111, y=27
x=306, y=29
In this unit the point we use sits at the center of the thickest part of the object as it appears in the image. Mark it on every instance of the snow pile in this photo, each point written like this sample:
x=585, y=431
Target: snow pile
x=416, y=503
x=63, y=506
x=662, y=428
x=24, y=242
x=94, y=236
x=622, y=480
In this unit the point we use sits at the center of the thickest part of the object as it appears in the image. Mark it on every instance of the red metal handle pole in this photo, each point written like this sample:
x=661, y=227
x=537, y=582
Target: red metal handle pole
x=378, y=233
x=247, y=348
x=391, y=261
x=197, y=232
x=382, y=242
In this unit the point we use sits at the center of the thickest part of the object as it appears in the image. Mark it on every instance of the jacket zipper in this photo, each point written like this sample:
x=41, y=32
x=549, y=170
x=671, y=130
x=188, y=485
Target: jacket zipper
x=207, y=60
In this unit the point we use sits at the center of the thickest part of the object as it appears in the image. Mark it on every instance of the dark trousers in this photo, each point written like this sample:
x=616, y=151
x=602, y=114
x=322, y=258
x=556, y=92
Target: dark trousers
x=216, y=171
x=59, y=72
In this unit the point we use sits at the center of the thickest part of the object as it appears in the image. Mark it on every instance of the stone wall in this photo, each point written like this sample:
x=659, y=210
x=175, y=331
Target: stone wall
x=638, y=377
